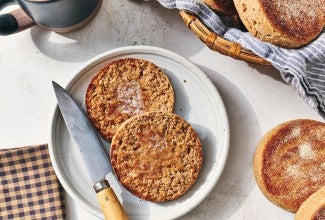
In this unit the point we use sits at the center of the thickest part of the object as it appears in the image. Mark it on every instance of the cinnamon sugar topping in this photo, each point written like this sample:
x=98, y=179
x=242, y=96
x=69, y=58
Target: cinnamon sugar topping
x=305, y=151
x=296, y=17
x=294, y=9
x=296, y=131
x=293, y=134
x=293, y=170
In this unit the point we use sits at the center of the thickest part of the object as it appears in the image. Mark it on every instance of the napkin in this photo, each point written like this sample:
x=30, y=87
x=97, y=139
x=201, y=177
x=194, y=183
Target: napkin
x=29, y=188
x=303, y=68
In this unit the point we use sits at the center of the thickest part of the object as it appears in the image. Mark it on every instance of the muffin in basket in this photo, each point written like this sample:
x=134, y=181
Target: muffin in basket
x=223, y=7
x=285, y=23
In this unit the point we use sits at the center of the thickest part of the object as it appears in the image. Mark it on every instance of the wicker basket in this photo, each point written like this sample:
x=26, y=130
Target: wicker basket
x=217, y=43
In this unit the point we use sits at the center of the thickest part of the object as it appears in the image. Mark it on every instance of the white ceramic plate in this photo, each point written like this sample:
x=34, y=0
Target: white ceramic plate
x=197, y=101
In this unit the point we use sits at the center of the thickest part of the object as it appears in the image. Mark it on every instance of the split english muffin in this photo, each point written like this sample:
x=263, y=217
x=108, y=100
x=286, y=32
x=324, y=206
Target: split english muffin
x=124, y=88
x=313, y=208
x=289, y=162
x=157, y=156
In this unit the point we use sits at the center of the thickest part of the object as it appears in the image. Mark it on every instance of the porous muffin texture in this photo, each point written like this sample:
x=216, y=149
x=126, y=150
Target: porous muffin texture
x=289, y=162
x=286, y=23
x=157, y=156
x=124, y=88
x=223, y=7
x=313, y=208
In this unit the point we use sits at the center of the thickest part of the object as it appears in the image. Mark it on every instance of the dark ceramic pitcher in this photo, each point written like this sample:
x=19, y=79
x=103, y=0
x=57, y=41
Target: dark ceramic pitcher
x=57, y=15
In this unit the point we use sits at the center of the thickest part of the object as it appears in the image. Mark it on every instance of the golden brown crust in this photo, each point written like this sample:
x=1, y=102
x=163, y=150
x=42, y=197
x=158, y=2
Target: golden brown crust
x=289, y=162
x=124, y=88
x=156, y=155
x=225, y=7
x=284, y=23
x=313, y=208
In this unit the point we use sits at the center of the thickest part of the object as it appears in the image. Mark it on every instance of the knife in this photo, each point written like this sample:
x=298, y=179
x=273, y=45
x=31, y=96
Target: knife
x=92, y=153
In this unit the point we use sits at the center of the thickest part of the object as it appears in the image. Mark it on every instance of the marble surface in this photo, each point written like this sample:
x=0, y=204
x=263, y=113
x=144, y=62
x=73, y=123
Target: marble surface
x=256, y=98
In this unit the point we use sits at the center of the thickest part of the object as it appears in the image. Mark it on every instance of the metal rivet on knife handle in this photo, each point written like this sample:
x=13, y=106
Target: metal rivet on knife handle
x=103, y=184
x=109, y=203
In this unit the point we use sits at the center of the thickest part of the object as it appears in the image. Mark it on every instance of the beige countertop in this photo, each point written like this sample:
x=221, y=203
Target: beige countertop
x=256, y=98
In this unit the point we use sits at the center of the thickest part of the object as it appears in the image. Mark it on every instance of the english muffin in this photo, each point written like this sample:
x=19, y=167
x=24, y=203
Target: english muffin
x=286, y=23
x=157, y=156
x=124, y=88
x=224, y=7
x=289, y=162
x=313, y=208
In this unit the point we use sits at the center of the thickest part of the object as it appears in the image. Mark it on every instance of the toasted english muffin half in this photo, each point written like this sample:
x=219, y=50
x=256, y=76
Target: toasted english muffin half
x=289, y=162
x=313, y=208
x=157, y=156
x=124, y=88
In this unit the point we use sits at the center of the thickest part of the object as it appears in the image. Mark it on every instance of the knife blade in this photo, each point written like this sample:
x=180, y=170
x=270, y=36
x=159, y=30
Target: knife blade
x=92, y=152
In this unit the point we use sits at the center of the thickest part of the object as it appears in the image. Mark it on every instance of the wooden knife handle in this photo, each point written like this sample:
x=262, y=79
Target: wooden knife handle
x=109, y=203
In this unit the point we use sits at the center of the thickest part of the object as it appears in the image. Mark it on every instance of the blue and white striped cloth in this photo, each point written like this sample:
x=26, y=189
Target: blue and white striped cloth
x=303, y=68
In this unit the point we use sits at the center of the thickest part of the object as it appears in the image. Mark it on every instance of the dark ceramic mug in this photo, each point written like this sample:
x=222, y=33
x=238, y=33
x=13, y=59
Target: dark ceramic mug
x=57, y=15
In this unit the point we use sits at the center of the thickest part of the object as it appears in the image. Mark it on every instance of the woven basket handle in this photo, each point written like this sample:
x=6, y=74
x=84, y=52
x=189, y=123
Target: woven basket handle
x=217, y=43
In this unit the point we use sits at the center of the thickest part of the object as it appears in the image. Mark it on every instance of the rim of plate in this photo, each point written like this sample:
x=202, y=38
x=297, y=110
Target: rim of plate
x=124, y=51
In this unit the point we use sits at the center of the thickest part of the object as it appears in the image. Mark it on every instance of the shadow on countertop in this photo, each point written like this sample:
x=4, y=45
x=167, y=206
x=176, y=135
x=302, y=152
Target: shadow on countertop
x=268, y=71
x=237, y=180
x=118, y=24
